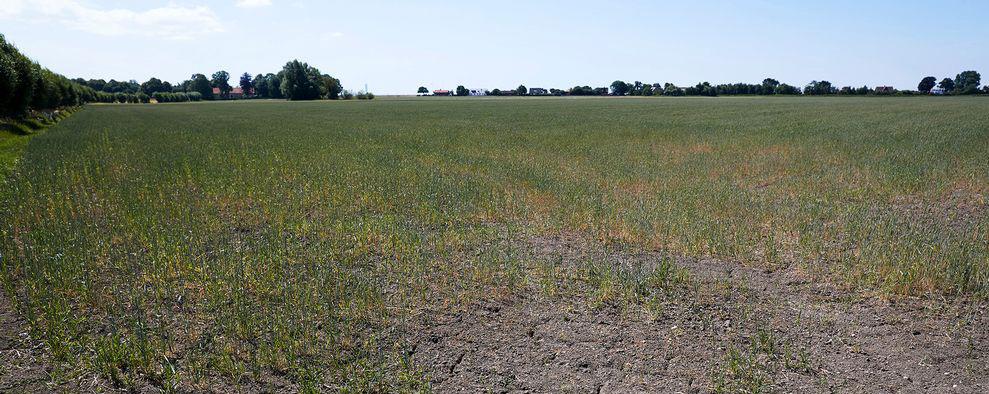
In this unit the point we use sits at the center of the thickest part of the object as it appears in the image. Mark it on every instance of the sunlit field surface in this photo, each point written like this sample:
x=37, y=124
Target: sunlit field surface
x=186, y=246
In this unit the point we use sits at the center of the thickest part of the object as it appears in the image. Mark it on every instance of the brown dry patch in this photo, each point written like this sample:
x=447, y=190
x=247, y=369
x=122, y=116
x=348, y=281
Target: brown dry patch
x=21, y=365
x=634, y=189
x=959, y=210
x=540, y=204
x=765, y=167
x=700, y=148
x=831, y=340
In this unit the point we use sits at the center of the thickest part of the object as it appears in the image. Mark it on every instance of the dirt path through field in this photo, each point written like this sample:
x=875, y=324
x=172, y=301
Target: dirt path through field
x=738, y=329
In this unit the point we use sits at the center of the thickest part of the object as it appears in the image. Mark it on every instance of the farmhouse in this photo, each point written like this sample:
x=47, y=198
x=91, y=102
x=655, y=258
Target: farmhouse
x=884, y=89
x=442, y=92
x=235, y=93
x=478, y=92
x=538, y=92
x=938, y=91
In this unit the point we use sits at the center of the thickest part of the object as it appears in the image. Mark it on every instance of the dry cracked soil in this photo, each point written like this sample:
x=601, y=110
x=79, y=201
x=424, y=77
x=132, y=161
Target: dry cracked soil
x=737, y=329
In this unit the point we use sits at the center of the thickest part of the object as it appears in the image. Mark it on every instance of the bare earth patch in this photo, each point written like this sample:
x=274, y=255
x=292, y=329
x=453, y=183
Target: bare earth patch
x=21, y=368
x=735, y=328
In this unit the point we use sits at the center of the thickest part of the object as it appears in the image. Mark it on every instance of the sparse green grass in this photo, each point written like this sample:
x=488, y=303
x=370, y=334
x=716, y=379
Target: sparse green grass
x=751, y=367
x=11, y=148
x=238, y=241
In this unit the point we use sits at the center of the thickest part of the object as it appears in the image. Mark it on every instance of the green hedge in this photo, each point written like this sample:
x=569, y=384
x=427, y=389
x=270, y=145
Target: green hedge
x=26, y=86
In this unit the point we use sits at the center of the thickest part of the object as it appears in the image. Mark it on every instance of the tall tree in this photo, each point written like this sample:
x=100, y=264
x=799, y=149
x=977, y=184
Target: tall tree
x=968, y=82
x=152, y=86
x=947, y=84
x=300, y=81
x=522, y=90
x=199, y=84
x=769, y=86
x=926, y=84
x=670, y=89
x=422, y=90
x=820, y=88
x=274, y=85
x=462, y=91
x=331, y=87
x=221, y=81
x=8, y=76
x=261, y=86
x=619, y=88
x=636, y=88
x=247, y=84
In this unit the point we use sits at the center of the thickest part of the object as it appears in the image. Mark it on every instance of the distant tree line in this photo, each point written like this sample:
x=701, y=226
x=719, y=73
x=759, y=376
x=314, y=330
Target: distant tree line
x=296, y=81
x=26, y=86
x=965, y=83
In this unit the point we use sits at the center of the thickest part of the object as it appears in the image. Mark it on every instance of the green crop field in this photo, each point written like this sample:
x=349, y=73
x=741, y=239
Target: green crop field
x=255, y=244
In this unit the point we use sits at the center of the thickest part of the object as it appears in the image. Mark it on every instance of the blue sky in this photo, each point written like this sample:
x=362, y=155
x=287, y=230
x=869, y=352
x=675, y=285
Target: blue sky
x=396, y=46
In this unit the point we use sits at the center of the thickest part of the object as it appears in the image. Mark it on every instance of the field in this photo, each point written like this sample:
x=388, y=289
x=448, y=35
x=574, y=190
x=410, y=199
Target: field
x=685, y=244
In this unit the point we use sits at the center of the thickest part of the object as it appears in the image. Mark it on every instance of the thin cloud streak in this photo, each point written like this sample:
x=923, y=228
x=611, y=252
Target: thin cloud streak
x=171, y=21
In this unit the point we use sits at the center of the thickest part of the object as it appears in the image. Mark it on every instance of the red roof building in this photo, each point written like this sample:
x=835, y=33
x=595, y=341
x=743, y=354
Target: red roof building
x=235, y=93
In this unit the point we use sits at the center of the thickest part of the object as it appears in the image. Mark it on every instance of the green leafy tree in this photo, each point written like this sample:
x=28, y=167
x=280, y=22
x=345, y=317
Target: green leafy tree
x=522, y=90
x=260, y=84
x=247, y=84
x=199, y=84
x=619, y=88
x=636, y=89
x=817, y=88
x=274, y=85
x=422, y=90
x=96, y=84
x=647, y=90
x=787, y=89
x=947, y=84
x=8, y=78
x=769, y=86
x=24, y=77
x=153, y=86
x=926, y=84
x=670, y=89
x=462, y=91
x=968, y=82
x=221, y=81
x=331, y=87
x=300, y=81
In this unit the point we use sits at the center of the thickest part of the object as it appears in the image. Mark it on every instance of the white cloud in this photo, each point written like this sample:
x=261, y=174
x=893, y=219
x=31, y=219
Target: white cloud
x=9, y=8
x=327, y=36
x=171, y=21
x=253, y=3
